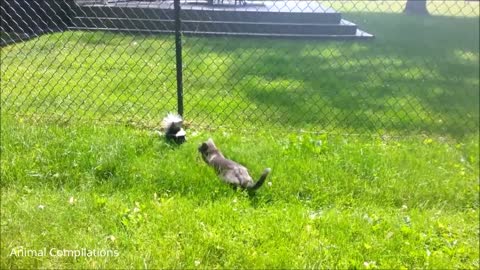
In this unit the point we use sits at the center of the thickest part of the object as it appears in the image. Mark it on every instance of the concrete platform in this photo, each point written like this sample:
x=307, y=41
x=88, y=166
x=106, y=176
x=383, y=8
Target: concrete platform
x=268, y=6
x=266, y=19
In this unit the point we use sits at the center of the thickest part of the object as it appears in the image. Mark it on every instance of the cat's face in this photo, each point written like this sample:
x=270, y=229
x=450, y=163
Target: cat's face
x=203, y=148
x=207, y=147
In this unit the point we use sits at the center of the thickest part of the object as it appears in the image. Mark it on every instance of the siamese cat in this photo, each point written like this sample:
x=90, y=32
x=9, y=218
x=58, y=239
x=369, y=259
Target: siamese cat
x=229, y=171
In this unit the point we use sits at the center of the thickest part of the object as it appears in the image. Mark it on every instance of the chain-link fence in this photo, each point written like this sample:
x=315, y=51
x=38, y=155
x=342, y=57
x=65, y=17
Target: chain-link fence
x=337, y=66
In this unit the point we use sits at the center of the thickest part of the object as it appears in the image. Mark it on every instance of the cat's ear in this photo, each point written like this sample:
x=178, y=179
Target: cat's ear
x=210, y=141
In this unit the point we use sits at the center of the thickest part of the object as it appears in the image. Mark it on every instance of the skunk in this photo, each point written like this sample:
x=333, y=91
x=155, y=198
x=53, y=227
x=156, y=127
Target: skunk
x=172, y=125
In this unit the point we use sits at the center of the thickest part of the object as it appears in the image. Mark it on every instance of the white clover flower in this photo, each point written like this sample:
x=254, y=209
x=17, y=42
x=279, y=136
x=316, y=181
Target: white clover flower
x=111, y=238
x=370, y=264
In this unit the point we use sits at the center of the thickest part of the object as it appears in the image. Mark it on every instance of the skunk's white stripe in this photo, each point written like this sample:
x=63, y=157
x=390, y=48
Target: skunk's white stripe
x=170, y=119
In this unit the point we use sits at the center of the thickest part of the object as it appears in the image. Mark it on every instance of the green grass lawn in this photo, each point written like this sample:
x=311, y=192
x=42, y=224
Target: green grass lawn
x=332, y=201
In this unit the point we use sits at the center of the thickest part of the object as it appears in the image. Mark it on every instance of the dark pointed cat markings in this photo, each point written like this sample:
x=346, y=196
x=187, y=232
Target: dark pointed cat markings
x=228, y=170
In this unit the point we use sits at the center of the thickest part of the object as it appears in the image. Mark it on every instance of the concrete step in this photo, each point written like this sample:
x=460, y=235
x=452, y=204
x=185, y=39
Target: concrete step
x=209, y=15
x=343, y=28
x=359, y=35
x=307, y=19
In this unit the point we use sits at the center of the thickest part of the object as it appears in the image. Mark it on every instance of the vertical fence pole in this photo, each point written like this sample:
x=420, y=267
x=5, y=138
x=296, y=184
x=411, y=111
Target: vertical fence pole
x=178, y=54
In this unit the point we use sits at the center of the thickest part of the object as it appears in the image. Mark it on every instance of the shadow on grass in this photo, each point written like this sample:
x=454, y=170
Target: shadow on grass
x=420, y=74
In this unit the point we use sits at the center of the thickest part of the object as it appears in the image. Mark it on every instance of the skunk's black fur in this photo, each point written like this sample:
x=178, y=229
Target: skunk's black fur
x=172, y=125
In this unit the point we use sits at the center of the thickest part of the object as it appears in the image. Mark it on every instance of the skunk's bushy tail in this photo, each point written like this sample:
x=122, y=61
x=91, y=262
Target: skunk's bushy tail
x=171, y=119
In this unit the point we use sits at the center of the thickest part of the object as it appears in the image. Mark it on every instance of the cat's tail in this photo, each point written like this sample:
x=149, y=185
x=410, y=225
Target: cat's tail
x=260, y=181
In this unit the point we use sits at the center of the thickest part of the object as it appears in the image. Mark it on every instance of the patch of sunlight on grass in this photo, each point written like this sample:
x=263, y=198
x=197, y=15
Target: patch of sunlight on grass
x=367, y=6
x=417, y=73
x=467, y=56
x=474, y=82
x=210, y=59
x=454, y=8
x=325, y=53
x=207, y=69
x=459, y=8
x=406, y=103
x=275, y=85
x=391, y=62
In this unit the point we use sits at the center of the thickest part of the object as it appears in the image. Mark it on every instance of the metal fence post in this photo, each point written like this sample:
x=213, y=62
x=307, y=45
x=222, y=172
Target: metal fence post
x=178, y=54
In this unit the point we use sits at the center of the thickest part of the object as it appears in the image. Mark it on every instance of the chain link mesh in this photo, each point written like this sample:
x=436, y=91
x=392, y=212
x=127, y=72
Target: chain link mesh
x=350, y=66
